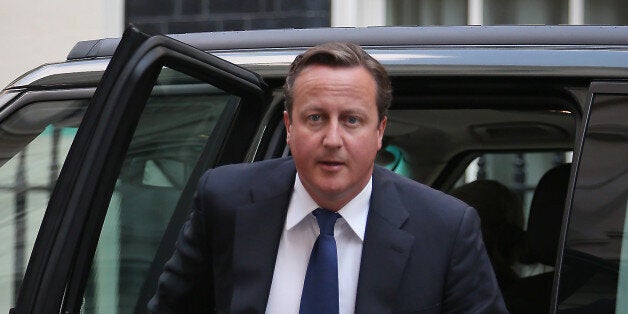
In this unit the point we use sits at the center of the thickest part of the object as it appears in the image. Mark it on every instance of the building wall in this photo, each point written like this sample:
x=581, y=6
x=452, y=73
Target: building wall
x=45, y=31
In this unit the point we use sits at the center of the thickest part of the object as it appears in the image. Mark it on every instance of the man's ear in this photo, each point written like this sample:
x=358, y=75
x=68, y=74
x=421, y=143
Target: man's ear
x=287, y=123
x=380, y=131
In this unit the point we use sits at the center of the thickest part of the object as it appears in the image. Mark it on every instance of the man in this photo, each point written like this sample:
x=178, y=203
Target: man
x=252, y=244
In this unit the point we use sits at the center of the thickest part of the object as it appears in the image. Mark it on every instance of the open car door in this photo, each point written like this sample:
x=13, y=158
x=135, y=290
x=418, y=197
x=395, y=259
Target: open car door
x=162, y=114
x=594, y=261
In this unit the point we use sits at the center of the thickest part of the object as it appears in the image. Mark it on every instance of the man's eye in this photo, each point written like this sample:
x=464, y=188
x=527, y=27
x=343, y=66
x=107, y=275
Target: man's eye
x=353, y=120
x=314, y=118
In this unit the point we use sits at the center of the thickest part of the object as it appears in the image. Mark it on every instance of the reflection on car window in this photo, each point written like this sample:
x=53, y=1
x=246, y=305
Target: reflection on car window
x=35, y=141
x=520, y=172
x=594, y=257
x=176, y=125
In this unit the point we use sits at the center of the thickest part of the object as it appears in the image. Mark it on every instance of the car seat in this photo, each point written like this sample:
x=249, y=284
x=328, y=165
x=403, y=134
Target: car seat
x=533, y=294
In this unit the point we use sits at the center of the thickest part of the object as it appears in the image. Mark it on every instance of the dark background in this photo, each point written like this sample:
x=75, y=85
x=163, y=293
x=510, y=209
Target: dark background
x=184, y=16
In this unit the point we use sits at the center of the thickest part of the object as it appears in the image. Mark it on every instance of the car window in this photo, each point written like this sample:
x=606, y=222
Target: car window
x=595, y=262
x=180, y=123
x=520, y=172
x=35, y=140
x=433, y=146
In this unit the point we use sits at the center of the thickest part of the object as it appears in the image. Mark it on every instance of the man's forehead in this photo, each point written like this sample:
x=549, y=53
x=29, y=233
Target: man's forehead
x=323, y=68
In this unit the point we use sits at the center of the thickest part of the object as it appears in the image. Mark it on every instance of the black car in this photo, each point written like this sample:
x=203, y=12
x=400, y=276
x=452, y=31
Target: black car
x=100, y=154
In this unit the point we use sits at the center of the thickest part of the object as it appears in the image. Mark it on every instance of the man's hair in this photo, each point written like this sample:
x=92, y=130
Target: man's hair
x=338, y=54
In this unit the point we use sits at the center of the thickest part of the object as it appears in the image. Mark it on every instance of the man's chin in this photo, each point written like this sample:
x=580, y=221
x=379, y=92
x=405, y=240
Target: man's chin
x=335, y=191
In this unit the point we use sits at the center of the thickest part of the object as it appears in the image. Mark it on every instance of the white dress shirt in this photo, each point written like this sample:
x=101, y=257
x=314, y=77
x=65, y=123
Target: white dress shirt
x=297, y=239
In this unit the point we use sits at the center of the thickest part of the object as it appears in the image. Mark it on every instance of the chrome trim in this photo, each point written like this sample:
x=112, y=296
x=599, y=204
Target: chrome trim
x=61, y=68
x=30, y=97
x=6, y=98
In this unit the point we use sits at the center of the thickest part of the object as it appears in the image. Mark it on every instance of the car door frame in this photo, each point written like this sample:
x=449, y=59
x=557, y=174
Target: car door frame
x=64, y=247
x=596, y=87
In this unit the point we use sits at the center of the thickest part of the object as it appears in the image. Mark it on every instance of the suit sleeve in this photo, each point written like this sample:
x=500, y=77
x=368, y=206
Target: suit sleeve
x=471, y=286
x=185, y=286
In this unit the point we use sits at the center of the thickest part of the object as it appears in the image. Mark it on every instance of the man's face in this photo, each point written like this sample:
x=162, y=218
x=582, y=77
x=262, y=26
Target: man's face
x=334, y=132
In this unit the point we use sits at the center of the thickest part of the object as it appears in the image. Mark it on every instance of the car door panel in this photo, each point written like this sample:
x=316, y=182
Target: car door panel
x=227, y=100
x=593, y=264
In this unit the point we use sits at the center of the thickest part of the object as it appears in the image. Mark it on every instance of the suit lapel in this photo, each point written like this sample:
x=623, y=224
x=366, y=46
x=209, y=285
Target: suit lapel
x=386, y=248
x=258, y=228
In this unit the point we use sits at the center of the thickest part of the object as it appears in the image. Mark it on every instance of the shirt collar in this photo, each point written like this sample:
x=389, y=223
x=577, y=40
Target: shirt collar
x=354, y=213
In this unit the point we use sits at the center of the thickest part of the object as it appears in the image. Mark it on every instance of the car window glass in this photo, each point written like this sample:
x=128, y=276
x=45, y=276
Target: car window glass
x=595, y=257
x=423, y=144
x=35, y=141
x=180, y=119
x=520, y=172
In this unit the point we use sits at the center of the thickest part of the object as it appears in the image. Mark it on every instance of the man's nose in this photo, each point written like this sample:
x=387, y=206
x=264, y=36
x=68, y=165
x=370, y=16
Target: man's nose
x=332, y=137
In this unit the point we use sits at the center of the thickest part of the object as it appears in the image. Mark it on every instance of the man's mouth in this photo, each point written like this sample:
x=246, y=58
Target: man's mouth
x=331, y=164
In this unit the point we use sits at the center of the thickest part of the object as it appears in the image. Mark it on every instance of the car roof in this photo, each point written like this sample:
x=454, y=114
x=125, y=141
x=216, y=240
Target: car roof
x=560, y=35
x=565, y=51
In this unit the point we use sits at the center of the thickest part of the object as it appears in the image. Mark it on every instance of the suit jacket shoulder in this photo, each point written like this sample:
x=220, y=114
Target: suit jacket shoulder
x=237, y=184
x=428, y=246
x=233, y=230
x=415, y=201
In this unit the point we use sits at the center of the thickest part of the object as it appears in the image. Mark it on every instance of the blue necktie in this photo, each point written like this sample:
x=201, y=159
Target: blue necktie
x=320, y=289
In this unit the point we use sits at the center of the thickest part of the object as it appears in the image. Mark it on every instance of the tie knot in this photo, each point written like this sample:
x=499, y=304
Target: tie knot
x=326, y=220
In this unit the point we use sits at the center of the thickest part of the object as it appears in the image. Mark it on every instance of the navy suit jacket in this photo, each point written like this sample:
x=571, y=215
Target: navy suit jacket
x=422, y=250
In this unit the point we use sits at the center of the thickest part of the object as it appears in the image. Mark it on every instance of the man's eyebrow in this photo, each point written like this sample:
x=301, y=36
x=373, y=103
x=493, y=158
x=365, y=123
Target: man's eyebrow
x=317, y=108
x=357, y=110
x=312, y=107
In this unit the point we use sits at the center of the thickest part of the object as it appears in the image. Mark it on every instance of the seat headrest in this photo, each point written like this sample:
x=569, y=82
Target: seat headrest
x=546, y=214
